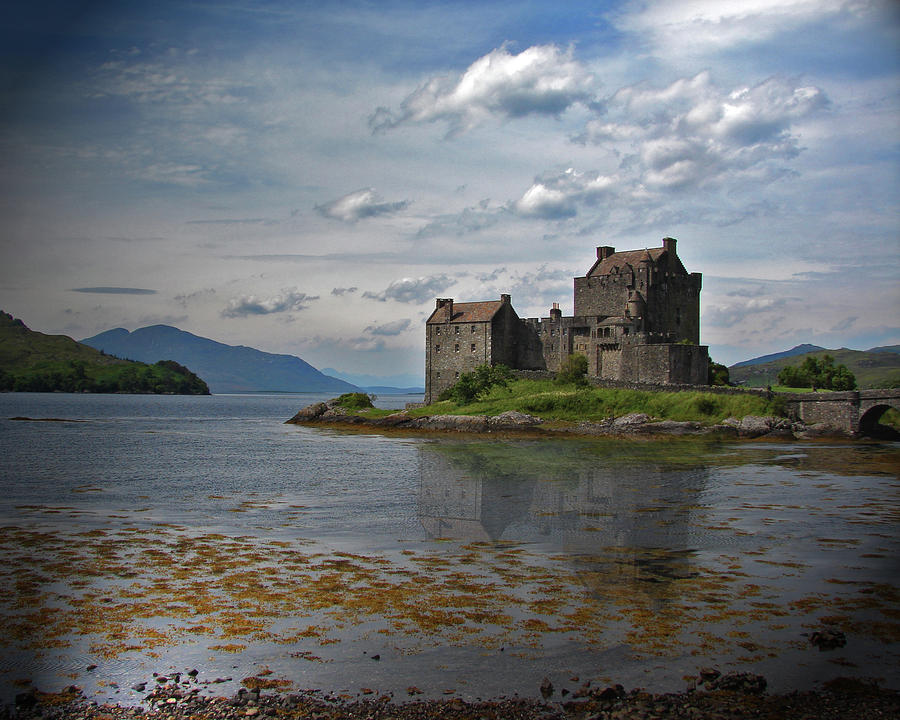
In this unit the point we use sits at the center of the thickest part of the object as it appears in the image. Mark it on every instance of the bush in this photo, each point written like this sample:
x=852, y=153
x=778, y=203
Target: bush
x=816, y=373
x=717, y=374
x=475, y=384
x=573, y=371
x=354, y=401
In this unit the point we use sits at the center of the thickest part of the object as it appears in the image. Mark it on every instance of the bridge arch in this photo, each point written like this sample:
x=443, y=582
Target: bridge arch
x=868, y=418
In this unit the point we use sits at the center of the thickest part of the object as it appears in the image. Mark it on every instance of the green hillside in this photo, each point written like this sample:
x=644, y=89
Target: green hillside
x=34, y=362
x=877, y=368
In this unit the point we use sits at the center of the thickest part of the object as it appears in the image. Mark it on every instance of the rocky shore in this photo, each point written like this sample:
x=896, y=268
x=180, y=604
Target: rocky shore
x=710, y=697
x=330, y=413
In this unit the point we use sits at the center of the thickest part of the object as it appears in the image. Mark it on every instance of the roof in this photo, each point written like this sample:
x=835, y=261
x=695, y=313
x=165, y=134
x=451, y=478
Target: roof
x=627, y=257
x=468, y=312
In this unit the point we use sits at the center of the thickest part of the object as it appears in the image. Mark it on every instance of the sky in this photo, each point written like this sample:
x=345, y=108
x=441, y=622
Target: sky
x=307, y=177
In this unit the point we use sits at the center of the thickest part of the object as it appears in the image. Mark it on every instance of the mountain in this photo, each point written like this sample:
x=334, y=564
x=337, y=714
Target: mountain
x=875, y=368
x=226, y=368
x=408, y=384
x=31, y=361
x=797, y=350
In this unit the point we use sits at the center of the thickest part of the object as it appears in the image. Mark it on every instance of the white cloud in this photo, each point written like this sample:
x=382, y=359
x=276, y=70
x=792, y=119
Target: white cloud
x=389, y=329
x=557, y=196
x=681, y=26
x=360, y=204
x=413, y=290
x=691, y=132
x=286, y=301
x=542, y=80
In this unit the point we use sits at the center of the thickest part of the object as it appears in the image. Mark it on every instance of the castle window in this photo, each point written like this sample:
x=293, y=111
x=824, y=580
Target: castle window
x=457, y=374
x=437, y=348
x=473, y=328
x=457, y=329
x=473, y=347
x=437, y=330
x=456, y=347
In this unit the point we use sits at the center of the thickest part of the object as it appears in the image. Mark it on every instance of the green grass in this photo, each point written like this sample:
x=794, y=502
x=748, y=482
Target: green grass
x=549, y=401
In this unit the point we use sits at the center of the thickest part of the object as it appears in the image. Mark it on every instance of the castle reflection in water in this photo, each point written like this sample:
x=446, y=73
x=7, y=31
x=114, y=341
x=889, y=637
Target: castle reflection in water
x=631, y=505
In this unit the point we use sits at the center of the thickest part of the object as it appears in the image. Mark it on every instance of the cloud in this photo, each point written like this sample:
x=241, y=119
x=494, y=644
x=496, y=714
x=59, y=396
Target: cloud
x=712, y=25
x=691, y=132
x=287, y=301
x=464, y=223
x=340, y=291
x=360, y=204
x=114, y=291
x=542, y=80
x=413, y=290
x=389, y=329
x=557, y=196
x=730, y=314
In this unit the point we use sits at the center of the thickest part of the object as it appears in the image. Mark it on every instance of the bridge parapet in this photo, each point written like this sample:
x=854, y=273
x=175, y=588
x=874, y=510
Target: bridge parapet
x=851, y=411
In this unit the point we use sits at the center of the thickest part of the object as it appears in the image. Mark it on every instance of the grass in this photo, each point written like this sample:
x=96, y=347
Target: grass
x=549, y=401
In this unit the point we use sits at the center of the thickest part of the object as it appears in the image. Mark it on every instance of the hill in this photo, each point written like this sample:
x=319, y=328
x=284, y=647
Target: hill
x=34, y=362
x=804, y=349
x=226, y=368
x=407, y=384
x=875, y=368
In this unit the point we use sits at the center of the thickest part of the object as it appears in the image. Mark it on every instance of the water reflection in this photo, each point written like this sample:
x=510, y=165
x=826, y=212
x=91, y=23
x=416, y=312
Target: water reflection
x=570, y=496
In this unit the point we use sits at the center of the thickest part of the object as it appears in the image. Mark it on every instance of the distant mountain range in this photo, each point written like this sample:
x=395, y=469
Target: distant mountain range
x=225, y=368
x=384, y=384
x=873, y=368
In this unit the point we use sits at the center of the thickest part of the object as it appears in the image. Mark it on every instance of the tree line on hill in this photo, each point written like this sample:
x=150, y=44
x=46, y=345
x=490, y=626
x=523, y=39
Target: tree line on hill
x=164, y=377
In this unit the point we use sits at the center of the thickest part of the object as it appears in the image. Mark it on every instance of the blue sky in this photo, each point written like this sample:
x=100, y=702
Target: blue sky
x=306, y=178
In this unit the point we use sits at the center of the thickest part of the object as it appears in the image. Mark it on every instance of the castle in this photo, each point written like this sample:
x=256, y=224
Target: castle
x=636, y=319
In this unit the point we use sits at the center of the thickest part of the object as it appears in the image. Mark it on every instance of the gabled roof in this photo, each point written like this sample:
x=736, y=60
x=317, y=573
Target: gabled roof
x=468, y=312
x=627, y=257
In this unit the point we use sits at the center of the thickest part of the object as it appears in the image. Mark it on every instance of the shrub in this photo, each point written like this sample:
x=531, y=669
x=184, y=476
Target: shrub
x=818, y=373
x=354, y=401
x=475, y=384
x=573, y=371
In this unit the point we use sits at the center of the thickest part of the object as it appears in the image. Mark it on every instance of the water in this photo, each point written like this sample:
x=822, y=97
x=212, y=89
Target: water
x=150, y=534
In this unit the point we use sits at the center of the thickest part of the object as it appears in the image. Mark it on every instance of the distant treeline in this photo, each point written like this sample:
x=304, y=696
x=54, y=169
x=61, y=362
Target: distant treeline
x=164, y=377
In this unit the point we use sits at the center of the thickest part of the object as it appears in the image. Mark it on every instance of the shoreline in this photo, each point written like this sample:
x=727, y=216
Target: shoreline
x=329, y=414
x=711, y=695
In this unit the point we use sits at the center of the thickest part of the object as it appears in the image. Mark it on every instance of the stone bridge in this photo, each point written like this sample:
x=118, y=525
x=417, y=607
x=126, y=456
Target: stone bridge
x=855, y=412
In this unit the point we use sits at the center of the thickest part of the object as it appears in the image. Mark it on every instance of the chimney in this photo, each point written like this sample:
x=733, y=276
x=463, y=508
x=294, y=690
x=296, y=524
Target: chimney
x=555, y=313
x=604, y=251
x=505, y=299
x=669, y=245
x=447, y=303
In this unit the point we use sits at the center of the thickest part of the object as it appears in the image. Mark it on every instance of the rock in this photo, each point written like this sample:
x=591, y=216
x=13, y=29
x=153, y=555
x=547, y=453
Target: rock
x=828, y=639
x=754, y=426
x=458, y=423
x=140, y=687
x=546, y=688
x=392, y=420
x=673, y=427
x=310, y=412
x=631, y=420
x=512, y=419
x=740, y=682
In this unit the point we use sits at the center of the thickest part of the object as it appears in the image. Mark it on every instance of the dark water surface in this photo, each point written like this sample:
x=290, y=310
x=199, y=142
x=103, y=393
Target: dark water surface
x=150, y=534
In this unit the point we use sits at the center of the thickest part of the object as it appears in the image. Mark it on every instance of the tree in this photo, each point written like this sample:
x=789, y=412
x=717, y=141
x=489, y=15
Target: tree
x=573, y=371
x=475, y=384
x=818, y=373
x=717, y=374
